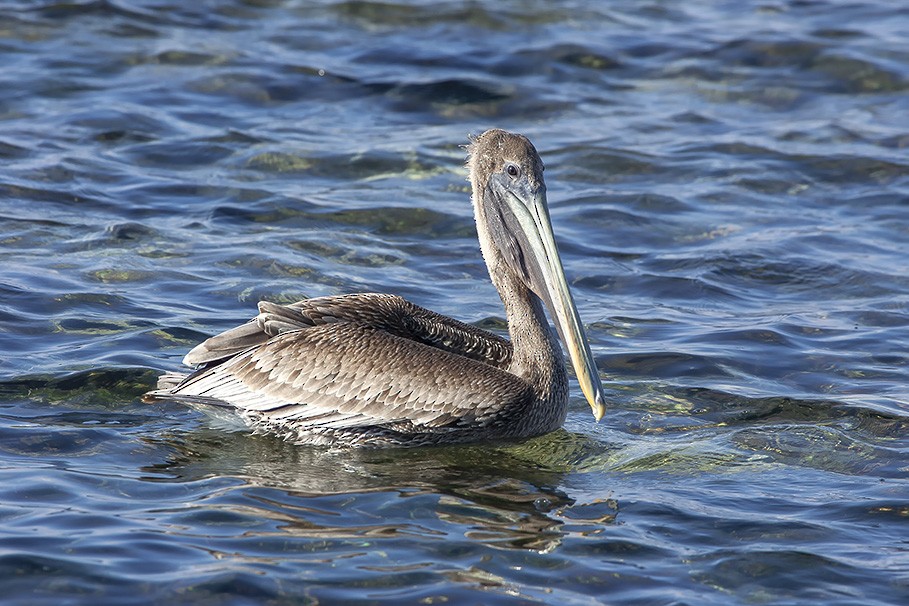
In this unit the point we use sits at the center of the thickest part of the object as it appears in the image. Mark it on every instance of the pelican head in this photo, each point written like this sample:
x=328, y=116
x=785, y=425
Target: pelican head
x=506, y=173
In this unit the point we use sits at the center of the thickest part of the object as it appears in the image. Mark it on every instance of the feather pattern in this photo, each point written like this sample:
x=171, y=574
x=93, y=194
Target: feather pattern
x=391, y=313
x=351, y=378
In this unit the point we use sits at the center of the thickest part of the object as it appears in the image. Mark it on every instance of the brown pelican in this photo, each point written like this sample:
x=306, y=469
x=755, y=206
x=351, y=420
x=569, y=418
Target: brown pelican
x=377, y=370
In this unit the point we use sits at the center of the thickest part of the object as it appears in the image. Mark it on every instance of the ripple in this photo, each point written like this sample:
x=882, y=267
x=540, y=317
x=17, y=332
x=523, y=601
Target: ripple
x=178, y=155
x=112, y=385
x=728, y=191
x=445, y=92
x=742, y=574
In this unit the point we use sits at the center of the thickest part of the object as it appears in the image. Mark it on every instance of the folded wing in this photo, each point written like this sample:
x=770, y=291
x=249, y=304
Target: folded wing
x=388, y=313
x=351, y=377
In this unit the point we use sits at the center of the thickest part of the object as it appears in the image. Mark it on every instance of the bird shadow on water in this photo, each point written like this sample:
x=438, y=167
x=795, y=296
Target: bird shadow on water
x=507, y=497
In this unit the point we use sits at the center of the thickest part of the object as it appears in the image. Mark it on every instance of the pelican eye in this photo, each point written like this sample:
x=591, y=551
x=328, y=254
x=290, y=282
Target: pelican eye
x=512, y=170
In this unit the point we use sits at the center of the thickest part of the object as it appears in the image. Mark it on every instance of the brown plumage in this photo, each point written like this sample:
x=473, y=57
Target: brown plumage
x=377, y=370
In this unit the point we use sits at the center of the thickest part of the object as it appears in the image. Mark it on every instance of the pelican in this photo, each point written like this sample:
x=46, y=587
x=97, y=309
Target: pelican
x=374, y=370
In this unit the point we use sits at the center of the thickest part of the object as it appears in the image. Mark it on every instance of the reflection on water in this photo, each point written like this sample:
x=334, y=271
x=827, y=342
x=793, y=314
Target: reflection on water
x=728, y=185
x=520, y=509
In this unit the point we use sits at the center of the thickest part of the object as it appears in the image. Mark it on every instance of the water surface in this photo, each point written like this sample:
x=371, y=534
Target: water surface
x=729, y=185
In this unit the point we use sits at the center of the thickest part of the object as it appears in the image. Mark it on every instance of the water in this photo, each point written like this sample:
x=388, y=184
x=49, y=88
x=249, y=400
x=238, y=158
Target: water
x=729, y=185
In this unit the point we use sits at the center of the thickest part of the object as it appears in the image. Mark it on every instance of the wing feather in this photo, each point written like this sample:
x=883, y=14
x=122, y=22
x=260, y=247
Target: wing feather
x=345, y=375
x=389, y=313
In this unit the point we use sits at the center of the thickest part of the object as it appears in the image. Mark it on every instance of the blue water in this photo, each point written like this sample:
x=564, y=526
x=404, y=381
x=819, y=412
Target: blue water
x=729, y=185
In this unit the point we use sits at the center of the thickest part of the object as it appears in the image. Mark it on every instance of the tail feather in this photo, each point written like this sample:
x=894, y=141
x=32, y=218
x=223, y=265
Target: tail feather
x=169, y=380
